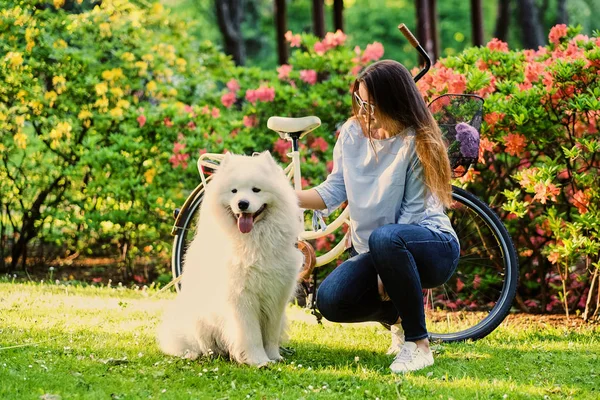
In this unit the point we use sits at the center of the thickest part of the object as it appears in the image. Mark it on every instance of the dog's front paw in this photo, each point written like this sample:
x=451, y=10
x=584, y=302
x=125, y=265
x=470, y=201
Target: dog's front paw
x=190, y=355
x=273, y=353
x=258, y=362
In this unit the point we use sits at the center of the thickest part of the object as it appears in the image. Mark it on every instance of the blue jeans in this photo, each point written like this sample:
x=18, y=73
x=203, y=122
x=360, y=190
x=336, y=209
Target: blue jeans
x=407, y=258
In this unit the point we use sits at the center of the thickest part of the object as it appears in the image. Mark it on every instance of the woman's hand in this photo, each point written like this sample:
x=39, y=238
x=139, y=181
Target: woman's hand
x=382, y=293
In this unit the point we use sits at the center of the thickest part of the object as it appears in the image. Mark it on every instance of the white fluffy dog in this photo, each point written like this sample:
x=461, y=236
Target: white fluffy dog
x=240, y=269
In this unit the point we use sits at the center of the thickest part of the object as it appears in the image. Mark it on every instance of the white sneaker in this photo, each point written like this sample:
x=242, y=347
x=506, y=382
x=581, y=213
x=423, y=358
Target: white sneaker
x=411, y=358
x=397, y=339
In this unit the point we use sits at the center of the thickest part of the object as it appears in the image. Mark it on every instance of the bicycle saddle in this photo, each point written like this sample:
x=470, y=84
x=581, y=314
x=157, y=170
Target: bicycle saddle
x=283, y=125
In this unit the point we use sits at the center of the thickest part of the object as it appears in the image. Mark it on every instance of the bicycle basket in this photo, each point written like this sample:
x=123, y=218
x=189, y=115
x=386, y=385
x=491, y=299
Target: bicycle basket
x=459, y=117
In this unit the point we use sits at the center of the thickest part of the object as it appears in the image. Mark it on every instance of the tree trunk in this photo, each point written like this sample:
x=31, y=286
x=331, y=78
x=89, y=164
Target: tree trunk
x=433, y=24
x=502, y=20
x=531, y=29
x=338, y=15
x=280, y=28
x=476, y=23
x=319, y=18
x=229, y=17
x=424, y=26
x=562, y=16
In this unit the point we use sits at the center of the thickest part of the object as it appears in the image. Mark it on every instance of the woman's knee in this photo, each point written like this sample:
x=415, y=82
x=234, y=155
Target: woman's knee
x=386, y=237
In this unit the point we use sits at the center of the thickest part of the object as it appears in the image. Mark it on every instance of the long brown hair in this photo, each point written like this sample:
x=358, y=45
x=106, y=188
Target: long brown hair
x=399, y=105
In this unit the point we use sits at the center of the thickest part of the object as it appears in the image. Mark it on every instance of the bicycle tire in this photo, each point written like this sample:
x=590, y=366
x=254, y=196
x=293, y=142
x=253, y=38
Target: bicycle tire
x=183, y=233
x=499, y=247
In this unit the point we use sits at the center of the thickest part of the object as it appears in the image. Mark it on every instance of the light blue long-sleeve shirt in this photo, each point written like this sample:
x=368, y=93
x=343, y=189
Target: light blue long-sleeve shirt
x=384, y=190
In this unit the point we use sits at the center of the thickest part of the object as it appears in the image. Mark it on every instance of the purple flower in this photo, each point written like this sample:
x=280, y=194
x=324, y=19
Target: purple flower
x=469, y=140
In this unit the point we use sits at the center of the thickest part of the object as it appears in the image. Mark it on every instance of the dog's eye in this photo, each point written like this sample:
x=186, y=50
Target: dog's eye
x=255, y=190
x=233, y=190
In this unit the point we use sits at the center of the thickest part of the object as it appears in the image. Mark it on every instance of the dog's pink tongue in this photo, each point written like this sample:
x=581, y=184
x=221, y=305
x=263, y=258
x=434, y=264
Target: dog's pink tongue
x=245, y=223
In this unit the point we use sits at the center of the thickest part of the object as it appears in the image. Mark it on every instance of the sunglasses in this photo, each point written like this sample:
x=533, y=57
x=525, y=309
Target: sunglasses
x=363, y=105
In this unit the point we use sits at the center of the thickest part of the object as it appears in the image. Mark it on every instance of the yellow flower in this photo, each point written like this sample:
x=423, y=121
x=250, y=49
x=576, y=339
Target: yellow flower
x=116, y=112
x=14, y=58
x=148, y=57
x=127, y=57
x=84, y=114
x=116, y=91
x=30, y=45
x=59, y=3
x=151, y=86
x=20, y=140
x=2, y=148
x=157, y=8
x=101, y=88
x=123, y=103
x=107, y=75
x=20, y=120
x=181, y=64
x=112, y=74
x=51, y=97
x=149, y=175
x=60, y=83
x=102, y=103
x=105, y=30
x=36, y=107
x=143, y=67
x=60, y=44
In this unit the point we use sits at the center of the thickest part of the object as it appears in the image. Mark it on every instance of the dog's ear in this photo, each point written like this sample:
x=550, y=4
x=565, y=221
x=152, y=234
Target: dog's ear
x=266, y=157
x=225, y=160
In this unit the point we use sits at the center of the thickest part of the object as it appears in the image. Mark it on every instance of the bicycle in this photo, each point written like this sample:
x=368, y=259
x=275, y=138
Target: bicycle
x=488, y=265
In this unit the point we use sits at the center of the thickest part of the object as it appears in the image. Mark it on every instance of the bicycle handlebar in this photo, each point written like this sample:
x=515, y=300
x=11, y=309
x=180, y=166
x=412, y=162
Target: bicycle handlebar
x=415, y=43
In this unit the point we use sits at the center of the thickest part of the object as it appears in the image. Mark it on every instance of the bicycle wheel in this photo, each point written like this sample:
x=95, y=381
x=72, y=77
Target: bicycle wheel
x=184, y=231
x=479, y=295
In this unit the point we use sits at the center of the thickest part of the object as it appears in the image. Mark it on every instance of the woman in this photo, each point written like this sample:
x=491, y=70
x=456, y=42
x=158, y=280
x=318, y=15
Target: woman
x=391, y=165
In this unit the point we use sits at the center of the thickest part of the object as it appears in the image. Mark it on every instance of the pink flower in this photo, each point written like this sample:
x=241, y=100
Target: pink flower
x=355, y=70
x=265, y=93
x=476, y=282
x=320, y=48
x=284, y=71
x=249, y=121
x=557, y=32
x=178, y=147
x=533, y=71
x=497, y=45
x=309, y=76
x=295, y=40
x=319, y=144
x=228, y=99
x=251, y=96
x=205, y=110
x=281, y=147
x=167, y=122
x=233, y=85
x=216, y=113
x=191, y=125
x=188, y=109
x=97, y=280
x=373, y=52
x=179, y=159
x=141, y=120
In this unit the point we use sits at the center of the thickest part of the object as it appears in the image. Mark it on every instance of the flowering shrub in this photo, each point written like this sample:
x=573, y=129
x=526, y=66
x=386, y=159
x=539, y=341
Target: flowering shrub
x=538, y=157
x=80, y=168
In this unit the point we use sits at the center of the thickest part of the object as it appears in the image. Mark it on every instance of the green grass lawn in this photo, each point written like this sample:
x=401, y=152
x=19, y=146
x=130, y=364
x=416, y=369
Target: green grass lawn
x=65, y=342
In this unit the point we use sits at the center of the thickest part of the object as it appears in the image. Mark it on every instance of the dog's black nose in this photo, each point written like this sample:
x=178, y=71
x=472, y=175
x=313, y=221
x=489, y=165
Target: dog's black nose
x=243, y=204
